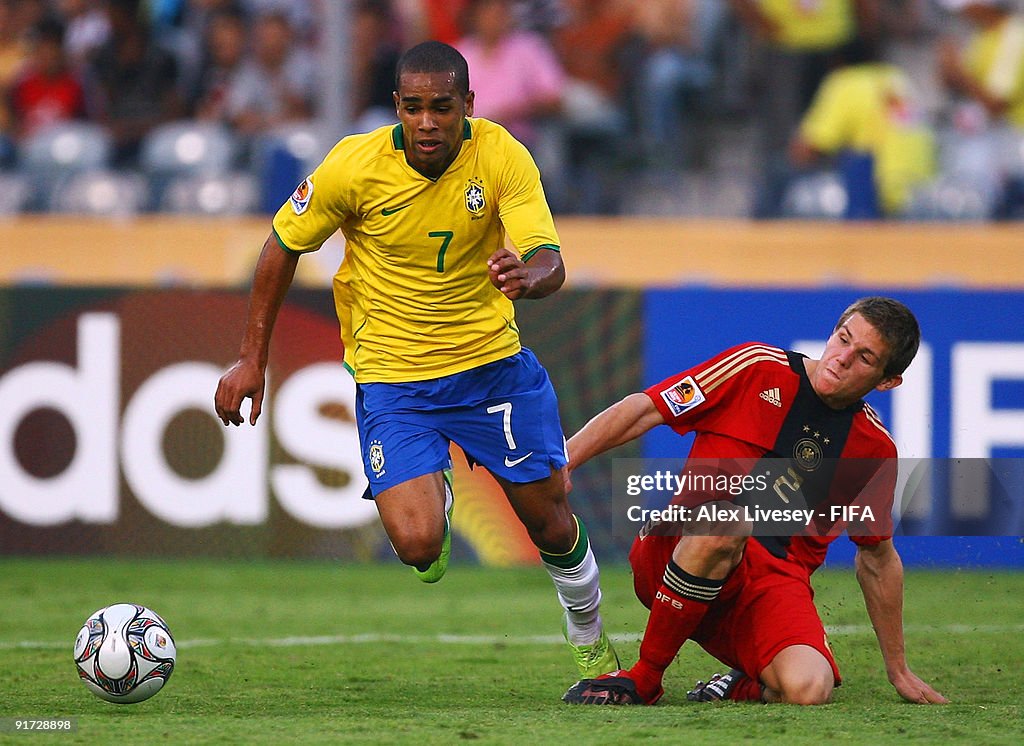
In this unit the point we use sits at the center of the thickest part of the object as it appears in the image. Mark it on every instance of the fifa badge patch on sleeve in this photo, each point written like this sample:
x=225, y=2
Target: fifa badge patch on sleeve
x=683, y=396
x=301, y=196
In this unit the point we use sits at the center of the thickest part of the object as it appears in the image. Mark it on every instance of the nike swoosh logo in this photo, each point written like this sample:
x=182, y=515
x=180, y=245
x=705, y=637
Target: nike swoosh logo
x=515, y=462
x=386, y=211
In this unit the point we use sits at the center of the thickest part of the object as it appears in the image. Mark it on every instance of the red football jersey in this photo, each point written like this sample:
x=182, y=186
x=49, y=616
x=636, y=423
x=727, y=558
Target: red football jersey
x=754, y=405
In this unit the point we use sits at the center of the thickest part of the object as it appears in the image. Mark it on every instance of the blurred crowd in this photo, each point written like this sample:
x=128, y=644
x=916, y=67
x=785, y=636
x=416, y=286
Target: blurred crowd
x=829, y=109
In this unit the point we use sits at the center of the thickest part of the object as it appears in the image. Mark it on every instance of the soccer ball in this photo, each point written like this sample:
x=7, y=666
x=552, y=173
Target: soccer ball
x=124, y=653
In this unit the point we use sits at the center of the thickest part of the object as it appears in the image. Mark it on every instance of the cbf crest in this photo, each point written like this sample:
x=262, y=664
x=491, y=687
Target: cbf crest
x=377, y=458
x=475, y=200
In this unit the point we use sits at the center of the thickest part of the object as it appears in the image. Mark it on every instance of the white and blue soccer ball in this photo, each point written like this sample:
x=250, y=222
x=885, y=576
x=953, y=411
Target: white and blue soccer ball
x=124, y=653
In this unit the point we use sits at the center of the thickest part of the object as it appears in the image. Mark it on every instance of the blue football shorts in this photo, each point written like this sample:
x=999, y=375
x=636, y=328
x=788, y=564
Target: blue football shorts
x=504, y=416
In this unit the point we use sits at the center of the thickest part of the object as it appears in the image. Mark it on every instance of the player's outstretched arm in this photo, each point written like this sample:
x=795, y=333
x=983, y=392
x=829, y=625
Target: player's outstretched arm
x=247, y=377
x=539, y=276
x=622, y=422
x=880, y=574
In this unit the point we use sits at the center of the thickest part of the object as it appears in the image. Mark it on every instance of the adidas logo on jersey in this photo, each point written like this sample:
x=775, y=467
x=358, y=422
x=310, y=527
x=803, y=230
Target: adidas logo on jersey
x=772, y=396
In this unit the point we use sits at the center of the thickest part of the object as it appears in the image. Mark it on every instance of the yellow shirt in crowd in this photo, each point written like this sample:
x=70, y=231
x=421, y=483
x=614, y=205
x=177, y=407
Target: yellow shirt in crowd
x=808, y=25
x=995, y=57
x=869, y=108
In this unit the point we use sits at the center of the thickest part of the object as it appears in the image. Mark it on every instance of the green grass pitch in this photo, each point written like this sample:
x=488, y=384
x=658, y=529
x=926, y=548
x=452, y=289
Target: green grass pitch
x=296, y=652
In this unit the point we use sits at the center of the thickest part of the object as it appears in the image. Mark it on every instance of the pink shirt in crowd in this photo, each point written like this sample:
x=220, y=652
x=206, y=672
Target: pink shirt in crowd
x=508, y=79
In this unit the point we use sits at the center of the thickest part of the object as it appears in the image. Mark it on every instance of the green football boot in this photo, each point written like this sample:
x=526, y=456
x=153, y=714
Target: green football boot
x=595, y=659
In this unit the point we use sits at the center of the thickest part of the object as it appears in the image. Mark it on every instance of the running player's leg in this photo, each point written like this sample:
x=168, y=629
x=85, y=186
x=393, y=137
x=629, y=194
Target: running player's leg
x=679, y=589
x=413, y=516
x=514, y=431
x=648, y=558
x=564, y=547
x=405, y=458
x=561, y=538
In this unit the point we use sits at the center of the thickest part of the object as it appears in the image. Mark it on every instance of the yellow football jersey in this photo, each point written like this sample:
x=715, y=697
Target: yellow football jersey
x=807, y=25
x=996, y=58
x=412, y=293
x=870, y=108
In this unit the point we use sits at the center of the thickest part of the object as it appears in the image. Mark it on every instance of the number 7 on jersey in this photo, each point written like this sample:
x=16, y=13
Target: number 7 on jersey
x=447, y=236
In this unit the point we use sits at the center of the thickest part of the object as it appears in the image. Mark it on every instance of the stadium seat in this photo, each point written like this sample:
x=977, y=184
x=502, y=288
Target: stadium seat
x=1010, y=151
x=186, y=150
x=15, y=193
x=185, y=147
x=227, y=194
x=1009, y=202
x=282, y=158
x=66, y=147
x=59, y=152
x=952, y=197
x=817, y=196
x=974, y=157
x=105, y=193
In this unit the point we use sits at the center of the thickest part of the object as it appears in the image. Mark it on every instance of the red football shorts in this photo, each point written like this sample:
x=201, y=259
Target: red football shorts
x=761, y=610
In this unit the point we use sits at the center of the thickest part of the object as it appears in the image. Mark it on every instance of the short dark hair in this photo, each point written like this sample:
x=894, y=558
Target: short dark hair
x=895, y=323
x=435, y=57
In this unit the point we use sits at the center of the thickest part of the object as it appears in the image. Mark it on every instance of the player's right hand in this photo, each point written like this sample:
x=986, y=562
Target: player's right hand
x=508, y=273
x=243, y=380
x=913, y=689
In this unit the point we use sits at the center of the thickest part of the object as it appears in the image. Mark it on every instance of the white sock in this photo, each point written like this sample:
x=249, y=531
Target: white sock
x=579, y=592
x=449, y=500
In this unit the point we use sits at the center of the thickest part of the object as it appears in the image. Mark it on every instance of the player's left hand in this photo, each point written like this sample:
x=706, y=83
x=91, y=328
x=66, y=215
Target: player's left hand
x=913, y=689
x=508, y=273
